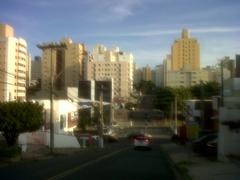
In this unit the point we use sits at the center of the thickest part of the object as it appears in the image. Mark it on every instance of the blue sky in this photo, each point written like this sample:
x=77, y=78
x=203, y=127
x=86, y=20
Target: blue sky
x=147, y=28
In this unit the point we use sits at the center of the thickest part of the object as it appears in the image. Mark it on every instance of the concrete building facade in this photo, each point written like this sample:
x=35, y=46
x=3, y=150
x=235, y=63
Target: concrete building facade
x=68, y=65
x=229, y=121
x=14, y=65
x=112, y=65
x=214, y=73
x=186, y=78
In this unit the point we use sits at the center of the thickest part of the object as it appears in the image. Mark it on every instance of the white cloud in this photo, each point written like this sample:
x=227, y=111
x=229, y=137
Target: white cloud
x=158, y=32
x=112, y=10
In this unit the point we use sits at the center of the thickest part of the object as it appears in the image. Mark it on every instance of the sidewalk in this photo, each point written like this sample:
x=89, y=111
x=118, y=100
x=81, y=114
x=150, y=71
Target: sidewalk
x=199, y=167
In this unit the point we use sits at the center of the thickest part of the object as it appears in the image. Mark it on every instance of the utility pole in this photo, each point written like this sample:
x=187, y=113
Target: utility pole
x=51, y=46
x=202, y=105
x=172, y=116
x=222, y=84
x=175, y=108
x=101, y=141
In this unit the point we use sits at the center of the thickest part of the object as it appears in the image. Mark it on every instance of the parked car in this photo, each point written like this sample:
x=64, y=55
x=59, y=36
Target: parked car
x=212, y=147
x=142, y=142
x=200, y=145
x=133, y=135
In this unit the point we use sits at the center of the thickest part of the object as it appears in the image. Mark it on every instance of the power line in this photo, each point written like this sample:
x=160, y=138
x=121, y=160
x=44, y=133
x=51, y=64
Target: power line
x=7, y=83
x=7, y=72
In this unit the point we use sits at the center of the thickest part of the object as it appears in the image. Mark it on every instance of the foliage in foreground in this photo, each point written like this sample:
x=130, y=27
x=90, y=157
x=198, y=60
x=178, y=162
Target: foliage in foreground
x=19, y=117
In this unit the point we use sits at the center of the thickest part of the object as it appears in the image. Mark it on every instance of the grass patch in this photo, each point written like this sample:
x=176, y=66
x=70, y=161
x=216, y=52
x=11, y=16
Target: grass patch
x=9, y=152
x=183, y=170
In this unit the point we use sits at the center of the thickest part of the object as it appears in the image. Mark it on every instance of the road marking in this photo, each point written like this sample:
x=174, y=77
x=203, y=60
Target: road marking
x=77, y=168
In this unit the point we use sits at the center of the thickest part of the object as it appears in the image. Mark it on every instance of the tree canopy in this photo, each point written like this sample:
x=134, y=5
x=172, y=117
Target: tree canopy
x=145, y=87
x=165, y=95
x=19, y=117
x=205, y=90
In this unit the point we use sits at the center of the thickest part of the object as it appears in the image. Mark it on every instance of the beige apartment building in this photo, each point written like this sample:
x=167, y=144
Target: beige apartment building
x=182, y=68
x=113, y=65
x=14, y=65
x=185, y=52
x=186, y=78
x=67, y=65
x=147, y=73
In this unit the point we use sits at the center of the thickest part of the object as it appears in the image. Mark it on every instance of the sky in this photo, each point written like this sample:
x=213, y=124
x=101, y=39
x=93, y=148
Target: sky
x=146, y=28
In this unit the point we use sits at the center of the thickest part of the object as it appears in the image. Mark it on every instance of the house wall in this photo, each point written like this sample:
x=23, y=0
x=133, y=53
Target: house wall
x=38, y=139
x=228, y=138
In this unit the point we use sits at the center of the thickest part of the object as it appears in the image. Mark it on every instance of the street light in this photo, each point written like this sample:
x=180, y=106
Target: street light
x=222, y=84
x=51, y=46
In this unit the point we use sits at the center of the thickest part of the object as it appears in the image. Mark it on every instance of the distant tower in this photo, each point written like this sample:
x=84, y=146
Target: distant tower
x=185, y=53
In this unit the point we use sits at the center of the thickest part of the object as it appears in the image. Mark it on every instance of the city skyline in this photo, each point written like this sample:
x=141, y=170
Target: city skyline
x=145, y=28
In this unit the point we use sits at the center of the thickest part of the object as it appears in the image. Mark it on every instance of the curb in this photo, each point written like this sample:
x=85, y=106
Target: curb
x=173, y=165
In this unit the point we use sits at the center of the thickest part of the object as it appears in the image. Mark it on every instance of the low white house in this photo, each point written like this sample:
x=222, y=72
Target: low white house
x=65, y=119
x=229, y=120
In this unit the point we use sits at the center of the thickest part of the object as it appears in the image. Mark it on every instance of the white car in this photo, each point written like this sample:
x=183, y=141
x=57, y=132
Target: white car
x=142, y=142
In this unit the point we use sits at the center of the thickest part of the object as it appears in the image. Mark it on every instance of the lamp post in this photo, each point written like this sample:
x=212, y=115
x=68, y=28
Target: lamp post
x=222, y=84
x=101, y=124
x=51, y=46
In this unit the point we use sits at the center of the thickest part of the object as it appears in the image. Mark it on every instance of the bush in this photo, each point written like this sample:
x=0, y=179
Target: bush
x=9, y=152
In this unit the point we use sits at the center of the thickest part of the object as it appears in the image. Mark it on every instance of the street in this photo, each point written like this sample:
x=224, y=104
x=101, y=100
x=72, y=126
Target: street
x=115, y=161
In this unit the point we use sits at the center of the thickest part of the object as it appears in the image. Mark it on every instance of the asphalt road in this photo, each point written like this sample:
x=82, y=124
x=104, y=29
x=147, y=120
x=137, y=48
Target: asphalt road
x=118, y=161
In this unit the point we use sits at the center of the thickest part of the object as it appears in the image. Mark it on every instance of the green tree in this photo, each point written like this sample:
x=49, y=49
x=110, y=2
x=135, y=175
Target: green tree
x=84, y=119
x=166, y=96
x=145, y=87
x=19, y=117
x=182, y=94
x=164, y=99
x=205, y=90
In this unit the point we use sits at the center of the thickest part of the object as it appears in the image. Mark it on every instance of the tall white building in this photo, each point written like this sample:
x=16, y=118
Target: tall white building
x=113, y=65
x=14, y=65
x=166, y=68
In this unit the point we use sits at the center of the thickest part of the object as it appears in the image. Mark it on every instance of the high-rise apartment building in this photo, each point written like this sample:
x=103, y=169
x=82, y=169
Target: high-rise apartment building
x=147, y=73
x=229, y=64
x=14, y=65
x=67, y=68
x=185, y=53
x=166, y=68
x=36, y=68
x=159, y=75
x=114, y=65
x=185, y=63
x=137, y=75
